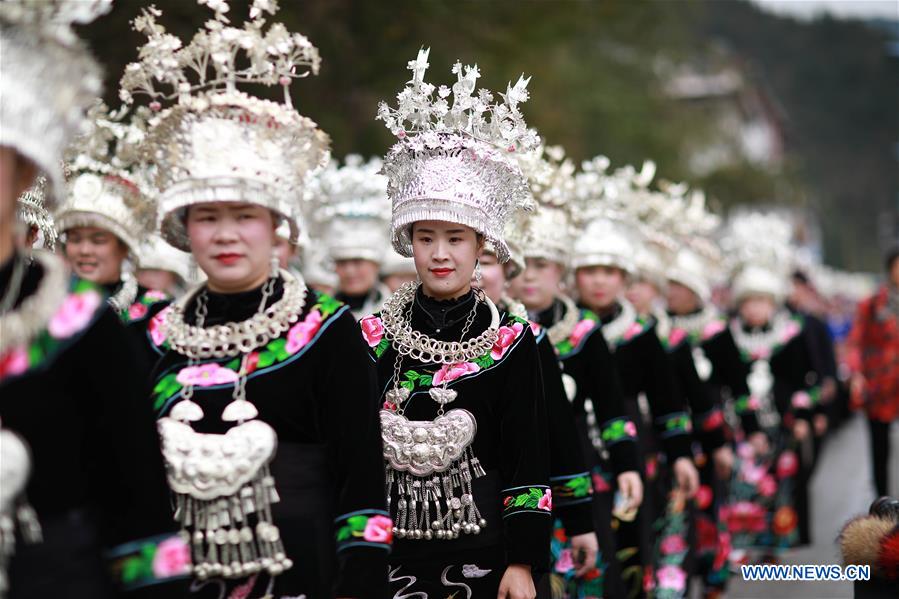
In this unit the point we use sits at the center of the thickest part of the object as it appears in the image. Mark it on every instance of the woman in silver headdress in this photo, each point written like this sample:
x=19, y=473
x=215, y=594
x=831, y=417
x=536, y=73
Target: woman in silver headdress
x=263, y=388
x=465, y=454
x=69, y=391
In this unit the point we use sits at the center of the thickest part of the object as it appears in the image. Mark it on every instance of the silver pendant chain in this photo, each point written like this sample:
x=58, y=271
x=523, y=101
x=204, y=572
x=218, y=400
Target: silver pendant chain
x=694, y=323
x=234, y=338
x=562, y=330
x=615, y=328
x=18, y=327
x=125, y=296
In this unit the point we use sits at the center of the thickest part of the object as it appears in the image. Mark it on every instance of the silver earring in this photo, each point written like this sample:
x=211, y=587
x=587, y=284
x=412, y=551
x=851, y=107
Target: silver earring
x=477, y=272
x=275, y=264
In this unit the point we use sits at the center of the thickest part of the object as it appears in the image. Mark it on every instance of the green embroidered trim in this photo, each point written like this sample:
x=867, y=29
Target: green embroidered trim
x=619, y=429
x=573, y=342
x=371, y=528
x=569, y=490
x=536, y=498
x=140, y=308
x=677, y=423
x=744, y=404
x=149, y=561
x=275, y=351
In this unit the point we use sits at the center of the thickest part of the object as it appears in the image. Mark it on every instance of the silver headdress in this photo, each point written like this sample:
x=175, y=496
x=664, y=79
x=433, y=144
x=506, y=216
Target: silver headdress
x=456, y=158
x=49, y=79
x=350, y=205
x=104, y=187
x=546, y=232
x=607, y=213
x=156, y=254
x=759, y=250
x=32, y=212
x=218, y=144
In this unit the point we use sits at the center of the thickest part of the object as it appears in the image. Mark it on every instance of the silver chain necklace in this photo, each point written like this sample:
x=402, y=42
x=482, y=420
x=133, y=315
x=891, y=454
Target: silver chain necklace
x=754, y=344
x=125, y=296
x=694, y=323
x=18, y=327
x=418, y=346
x=233, y=338
x=615, y=328
x=562, y=330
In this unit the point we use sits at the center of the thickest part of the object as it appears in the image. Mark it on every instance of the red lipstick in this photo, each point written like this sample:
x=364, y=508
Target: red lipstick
x=227, y=259
x=441, y=272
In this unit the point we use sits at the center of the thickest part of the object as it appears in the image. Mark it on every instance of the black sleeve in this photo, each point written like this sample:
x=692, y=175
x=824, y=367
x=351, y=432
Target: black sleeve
x=708, y=425
x=130, y=483
x=603, y=387
x=568, y=476
x=796, y=389
x=669, y=410
x=352, y=426
x=524, y=457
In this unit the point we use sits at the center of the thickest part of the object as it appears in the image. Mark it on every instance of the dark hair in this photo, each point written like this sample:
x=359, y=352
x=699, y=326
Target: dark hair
x=800, y=277
x=891, y=256
x=885, y=507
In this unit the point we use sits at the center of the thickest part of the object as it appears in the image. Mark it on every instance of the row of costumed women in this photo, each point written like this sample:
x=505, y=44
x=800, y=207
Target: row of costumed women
x=454, y=398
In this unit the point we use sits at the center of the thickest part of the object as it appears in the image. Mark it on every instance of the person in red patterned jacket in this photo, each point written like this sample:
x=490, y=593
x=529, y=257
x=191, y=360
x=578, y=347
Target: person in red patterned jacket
x=874, y=359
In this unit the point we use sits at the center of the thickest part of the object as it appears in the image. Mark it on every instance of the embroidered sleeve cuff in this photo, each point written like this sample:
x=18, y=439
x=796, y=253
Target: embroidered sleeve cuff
x=527, y=524
x=363, y=528
x=535, y=499
x=710, y=429
x=571, y=490
x=804, y=403
x=149, y=561
x=618, y=430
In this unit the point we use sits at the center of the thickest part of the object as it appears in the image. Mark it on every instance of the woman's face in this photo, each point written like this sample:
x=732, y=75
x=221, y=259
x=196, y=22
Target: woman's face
x=356, y=276
x=95, y=254
x=681, y=299
x=642, y=294
x=599, y=287
x=757, y=310
x=493, y=276
x=445, y=255
x=538, y=285
x=232, y=242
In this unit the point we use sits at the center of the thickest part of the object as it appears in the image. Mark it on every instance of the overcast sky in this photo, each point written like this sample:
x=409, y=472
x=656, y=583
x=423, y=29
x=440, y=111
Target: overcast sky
x=839, y=8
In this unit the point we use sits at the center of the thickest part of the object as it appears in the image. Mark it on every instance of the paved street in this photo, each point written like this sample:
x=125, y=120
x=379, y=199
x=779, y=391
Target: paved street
x=841, y=488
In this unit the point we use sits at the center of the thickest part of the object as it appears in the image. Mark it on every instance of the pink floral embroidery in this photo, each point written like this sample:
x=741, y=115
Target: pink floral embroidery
x=713, y=421
x=172, y=558
x=632, y=331
x=14, y=362
x=745, y=451
x=672, y=544
x=505, y=337
x=713, y=328
x=630, y=428
x=599, y=484
x=206, y=375
x=802, y=400
x=155, y=294
x=767, y=486
x=156, y=328
x=763, y=353
x=378, y=529
x=372, y=330
x=672, y=577
x=137, y=310
x=302, y=332
x=450, y=372
x=536, y=328
x=564, y=563
x=74, y=314
x=790, y=331
x=752, y=473
x=243, y=591
x=581, y=329
x=787, y=464
x=651, y=467
x=546, y=502
x=753, y=403
x=703, y=497
x=676, y=336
